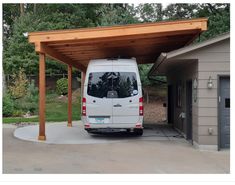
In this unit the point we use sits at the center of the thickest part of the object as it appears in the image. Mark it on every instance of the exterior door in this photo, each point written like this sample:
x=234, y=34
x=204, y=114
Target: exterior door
x=126, y=104
x=189, y=110
x=224, y=112
x=99, y=104
x=170, y=104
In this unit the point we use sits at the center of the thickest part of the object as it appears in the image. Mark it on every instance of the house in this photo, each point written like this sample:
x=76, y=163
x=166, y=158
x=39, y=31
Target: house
x=198, y=80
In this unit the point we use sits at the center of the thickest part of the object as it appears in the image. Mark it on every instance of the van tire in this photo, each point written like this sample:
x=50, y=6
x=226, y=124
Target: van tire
x=138, y=132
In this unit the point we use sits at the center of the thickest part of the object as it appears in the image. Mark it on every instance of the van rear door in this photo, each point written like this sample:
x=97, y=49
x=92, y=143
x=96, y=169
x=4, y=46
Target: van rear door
x=126, y=104
x=99, y=105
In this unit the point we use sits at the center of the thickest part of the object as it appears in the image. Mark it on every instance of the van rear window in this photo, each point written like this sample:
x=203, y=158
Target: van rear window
x=112, y=84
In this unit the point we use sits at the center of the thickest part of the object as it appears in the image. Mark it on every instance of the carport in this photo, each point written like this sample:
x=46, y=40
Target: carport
x=76, y=47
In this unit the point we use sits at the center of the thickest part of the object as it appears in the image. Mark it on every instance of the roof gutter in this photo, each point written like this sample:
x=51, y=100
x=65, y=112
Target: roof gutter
x=158, y=62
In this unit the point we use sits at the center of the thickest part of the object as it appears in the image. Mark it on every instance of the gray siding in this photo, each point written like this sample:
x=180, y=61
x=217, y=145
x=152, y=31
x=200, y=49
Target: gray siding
x=213, y=60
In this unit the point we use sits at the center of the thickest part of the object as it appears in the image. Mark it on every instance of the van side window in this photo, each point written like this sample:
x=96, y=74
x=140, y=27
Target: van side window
x=122, y=84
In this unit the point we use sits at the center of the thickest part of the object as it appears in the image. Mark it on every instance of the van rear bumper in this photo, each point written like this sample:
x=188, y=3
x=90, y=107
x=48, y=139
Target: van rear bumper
x=112, y=125
x=94, y=128
x=112, y=130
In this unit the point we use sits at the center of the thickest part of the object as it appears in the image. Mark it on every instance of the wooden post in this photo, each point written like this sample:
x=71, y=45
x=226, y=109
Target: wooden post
x=42, y=92
x=69, y=96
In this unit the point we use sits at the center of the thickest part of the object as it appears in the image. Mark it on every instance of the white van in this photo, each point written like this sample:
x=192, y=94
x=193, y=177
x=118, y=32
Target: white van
x=112, y=97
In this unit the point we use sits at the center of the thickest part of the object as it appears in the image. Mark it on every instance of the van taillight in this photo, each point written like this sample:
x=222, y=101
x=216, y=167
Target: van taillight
x=141, y=107
x=84, y=106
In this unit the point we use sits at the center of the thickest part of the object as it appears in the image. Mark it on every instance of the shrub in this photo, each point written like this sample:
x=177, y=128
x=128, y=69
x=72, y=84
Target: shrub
x=30, y=101
x=17, y=113
x=26, y=106
x=18, y=87
x=8, y=105
x=62, y=86
x=32, y=92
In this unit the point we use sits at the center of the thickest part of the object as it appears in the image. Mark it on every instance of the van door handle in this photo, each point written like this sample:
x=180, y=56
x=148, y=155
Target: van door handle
x=117, y=105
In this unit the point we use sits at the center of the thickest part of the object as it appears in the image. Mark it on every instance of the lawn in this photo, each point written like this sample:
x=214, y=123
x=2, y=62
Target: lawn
x=56, y=110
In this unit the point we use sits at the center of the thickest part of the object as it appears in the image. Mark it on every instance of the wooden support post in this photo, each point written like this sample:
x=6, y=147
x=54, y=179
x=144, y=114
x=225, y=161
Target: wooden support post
x=42, y=92
x=69, y=96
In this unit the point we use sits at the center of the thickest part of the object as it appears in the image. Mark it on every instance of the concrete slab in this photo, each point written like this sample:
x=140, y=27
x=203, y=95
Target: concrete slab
x=59, y=133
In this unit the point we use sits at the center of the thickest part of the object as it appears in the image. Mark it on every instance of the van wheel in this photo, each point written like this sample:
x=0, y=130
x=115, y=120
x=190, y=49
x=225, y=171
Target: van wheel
x=138, y=132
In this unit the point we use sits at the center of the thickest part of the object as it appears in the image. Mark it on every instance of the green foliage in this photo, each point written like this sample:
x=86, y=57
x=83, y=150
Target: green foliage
x=56, y=110
x=18, y=87
x=30, y=102
x=8, y=105
x=143, y=70
x=116, y=14
x=32, y=92
x=17, y=113
x=218, y=16
x=18, y=53
x=219, y=19
x=150, y=12
x=62, y=86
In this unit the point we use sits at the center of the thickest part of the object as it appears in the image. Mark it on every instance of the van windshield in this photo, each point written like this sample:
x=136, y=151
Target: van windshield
x=102, y=84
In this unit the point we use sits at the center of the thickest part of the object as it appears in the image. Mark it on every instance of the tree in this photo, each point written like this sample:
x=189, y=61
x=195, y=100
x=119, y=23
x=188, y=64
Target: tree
x=149, y=12
x=180, y=11
x=18, y=53
x=218, y=16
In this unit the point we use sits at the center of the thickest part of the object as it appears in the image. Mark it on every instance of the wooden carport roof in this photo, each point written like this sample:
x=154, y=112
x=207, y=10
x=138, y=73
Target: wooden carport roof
x=145, y=41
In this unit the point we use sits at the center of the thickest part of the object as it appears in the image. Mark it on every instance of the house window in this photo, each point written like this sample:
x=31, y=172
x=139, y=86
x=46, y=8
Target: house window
x=227, y=102
x=179, y=96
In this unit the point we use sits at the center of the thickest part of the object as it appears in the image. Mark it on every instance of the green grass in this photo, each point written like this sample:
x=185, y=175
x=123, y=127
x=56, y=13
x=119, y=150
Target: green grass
x=56, y=110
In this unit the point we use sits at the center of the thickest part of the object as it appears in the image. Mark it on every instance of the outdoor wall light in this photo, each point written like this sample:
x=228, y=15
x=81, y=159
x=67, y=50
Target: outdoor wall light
x=195, y=83
x=210, y=83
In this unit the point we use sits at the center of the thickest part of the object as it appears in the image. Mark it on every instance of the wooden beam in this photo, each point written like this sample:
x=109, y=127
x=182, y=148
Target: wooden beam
x=69, y=96
x=137, y=44
x=42, y=99
x=119, y=31
x=120, y=41
x=42, y=48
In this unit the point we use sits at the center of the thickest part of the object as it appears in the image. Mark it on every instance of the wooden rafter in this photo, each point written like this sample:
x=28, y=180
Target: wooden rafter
x=42, y=48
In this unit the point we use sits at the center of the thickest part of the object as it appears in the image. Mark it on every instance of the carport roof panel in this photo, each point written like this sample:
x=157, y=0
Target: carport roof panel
x=143, y=41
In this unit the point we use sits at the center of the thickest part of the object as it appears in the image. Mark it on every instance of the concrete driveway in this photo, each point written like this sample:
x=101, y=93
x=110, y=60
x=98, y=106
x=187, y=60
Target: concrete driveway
x=157, y=155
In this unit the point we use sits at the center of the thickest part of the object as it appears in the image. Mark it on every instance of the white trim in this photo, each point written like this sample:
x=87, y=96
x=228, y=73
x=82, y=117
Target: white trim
x=205, y=147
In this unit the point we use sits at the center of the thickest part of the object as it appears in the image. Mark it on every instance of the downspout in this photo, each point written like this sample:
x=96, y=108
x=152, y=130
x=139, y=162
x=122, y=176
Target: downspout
x=158, y=62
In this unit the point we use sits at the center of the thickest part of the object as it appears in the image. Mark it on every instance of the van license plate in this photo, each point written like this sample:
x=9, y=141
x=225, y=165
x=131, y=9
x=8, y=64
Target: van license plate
x=99, y=120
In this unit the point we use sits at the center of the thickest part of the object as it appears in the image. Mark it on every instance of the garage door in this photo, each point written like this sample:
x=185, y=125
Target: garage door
x=224, y=111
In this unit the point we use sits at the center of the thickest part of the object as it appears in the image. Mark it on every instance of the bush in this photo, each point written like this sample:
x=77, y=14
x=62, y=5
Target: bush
x=8, y=105
x=17, y=113
x=18, y=87
x=30, y=101
x=62, y=86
